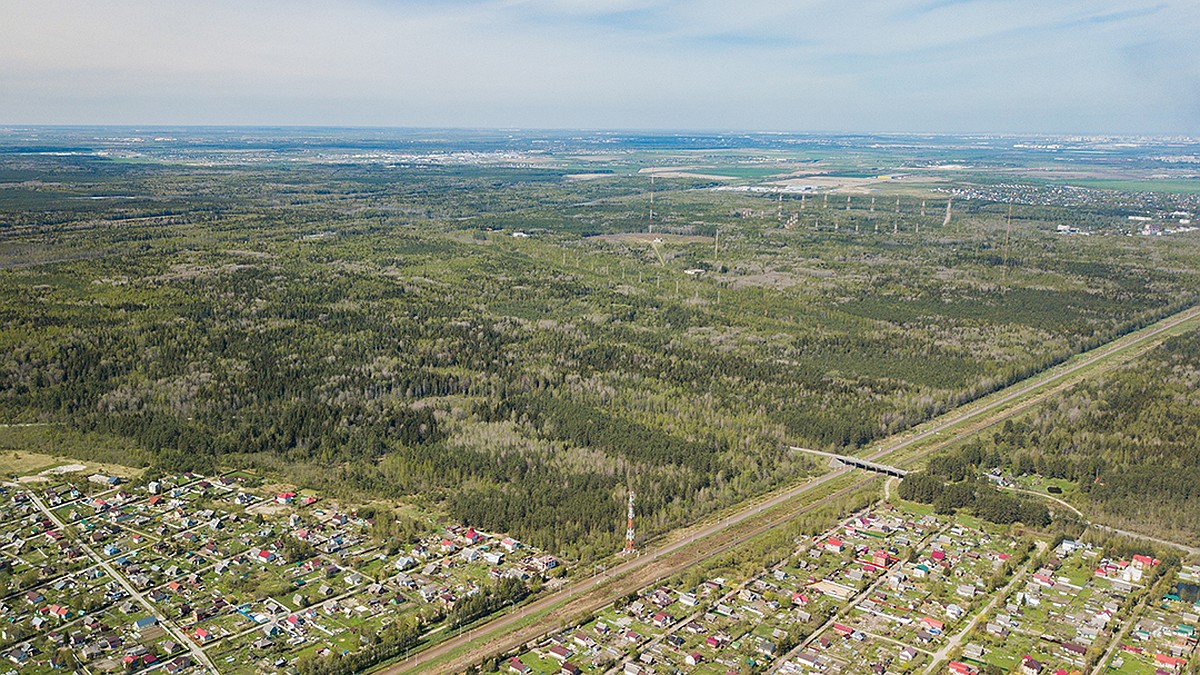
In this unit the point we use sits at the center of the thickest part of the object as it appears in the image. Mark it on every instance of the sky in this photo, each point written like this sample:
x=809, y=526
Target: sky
x=949, y=66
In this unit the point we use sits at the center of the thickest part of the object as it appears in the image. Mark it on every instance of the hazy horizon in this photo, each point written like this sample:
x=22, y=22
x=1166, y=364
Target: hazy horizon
x=646, y=131
x=915, y=66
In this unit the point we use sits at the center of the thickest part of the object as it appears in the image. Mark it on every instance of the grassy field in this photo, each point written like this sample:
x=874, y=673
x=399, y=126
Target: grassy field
x=28, y=450
x=17, y=463
x=1179, y=186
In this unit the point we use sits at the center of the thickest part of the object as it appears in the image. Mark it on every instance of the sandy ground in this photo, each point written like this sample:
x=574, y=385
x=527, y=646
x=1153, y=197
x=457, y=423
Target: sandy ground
x=852, y=185
x=664, y=169
x=42, y=476
x=835, y=183
x=689, y=174
x=65, y=468
x=649, y=238
x=684, y=172
x=268, y=508
x=587, y=176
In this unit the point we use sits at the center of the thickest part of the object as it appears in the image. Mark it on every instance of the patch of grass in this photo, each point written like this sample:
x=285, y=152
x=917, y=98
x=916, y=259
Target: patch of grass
x=1177, y=186
x=17, y=463
x=29, y=449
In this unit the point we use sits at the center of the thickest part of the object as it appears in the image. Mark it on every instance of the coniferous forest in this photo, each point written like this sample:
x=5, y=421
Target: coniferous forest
x=493, y=331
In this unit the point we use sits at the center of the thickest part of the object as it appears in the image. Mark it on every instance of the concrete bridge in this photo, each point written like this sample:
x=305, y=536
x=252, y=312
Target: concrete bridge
x=857, y=462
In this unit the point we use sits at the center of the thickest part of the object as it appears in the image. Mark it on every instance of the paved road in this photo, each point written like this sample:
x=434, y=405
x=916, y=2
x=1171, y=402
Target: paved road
x=1145, y=537
x=1058, y=373
x=856, y=462
x=955, y=641
x=587, y=585
x=179, y=636
x=1133, y=535
x=846, y=608
x=977, y=411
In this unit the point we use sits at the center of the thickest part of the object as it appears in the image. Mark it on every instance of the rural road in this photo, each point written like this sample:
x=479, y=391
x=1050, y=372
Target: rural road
x=586, y=585
x=956, y=641
x=182, y=638
x=479, y=647
x=1133, y=535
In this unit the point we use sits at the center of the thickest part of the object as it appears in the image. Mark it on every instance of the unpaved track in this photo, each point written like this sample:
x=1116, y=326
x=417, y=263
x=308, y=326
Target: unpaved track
x=692, y=545
x=591, y=594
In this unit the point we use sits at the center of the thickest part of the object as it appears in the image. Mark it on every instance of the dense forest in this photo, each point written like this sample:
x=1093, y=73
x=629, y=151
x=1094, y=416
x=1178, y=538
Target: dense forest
x=1130, y=441
x=377, y=329
x=953, y=481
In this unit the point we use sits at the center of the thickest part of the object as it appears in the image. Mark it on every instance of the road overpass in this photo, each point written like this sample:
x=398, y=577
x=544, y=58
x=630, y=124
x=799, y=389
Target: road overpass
x=857, y=462
x=548, y=613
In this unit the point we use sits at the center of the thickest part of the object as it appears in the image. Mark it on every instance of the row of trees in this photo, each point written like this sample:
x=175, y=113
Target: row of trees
x=1127, y=440
x=381, y=357
x=950, y=482
x=391, y=642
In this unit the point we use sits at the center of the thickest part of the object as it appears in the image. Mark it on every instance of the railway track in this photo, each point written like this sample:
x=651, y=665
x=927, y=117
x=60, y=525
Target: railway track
x=700, y=542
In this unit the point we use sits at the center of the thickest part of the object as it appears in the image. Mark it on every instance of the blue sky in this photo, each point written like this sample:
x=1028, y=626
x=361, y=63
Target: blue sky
x=1033, y=66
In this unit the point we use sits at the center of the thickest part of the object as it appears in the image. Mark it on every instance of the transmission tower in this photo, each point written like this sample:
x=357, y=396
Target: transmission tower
x=1007, y=234
x=652, y=201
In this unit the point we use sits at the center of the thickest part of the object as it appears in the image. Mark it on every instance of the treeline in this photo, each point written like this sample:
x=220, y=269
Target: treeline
x=385, y=356
x=389, y=643
x=1127, y=440
x=952, y=481
x=587, y=426
x=303, y=430
x=980, y=497
x=505, y=592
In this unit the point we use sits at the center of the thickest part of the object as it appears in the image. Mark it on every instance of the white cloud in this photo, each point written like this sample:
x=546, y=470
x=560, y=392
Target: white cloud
x=925, y=65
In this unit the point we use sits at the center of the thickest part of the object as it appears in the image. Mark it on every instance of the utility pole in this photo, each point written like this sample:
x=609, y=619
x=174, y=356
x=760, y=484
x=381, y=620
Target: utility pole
x=651, y=200
x=1007, y=232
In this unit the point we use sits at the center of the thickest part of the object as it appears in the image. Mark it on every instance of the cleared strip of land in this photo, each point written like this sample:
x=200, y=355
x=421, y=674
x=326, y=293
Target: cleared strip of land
x=694, y=544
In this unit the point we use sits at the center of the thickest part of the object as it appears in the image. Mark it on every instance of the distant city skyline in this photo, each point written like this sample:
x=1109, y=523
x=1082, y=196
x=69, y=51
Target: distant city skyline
x=949, y=66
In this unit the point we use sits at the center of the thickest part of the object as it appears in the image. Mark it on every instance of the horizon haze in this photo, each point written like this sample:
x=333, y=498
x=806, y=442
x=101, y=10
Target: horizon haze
x=919, y=66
